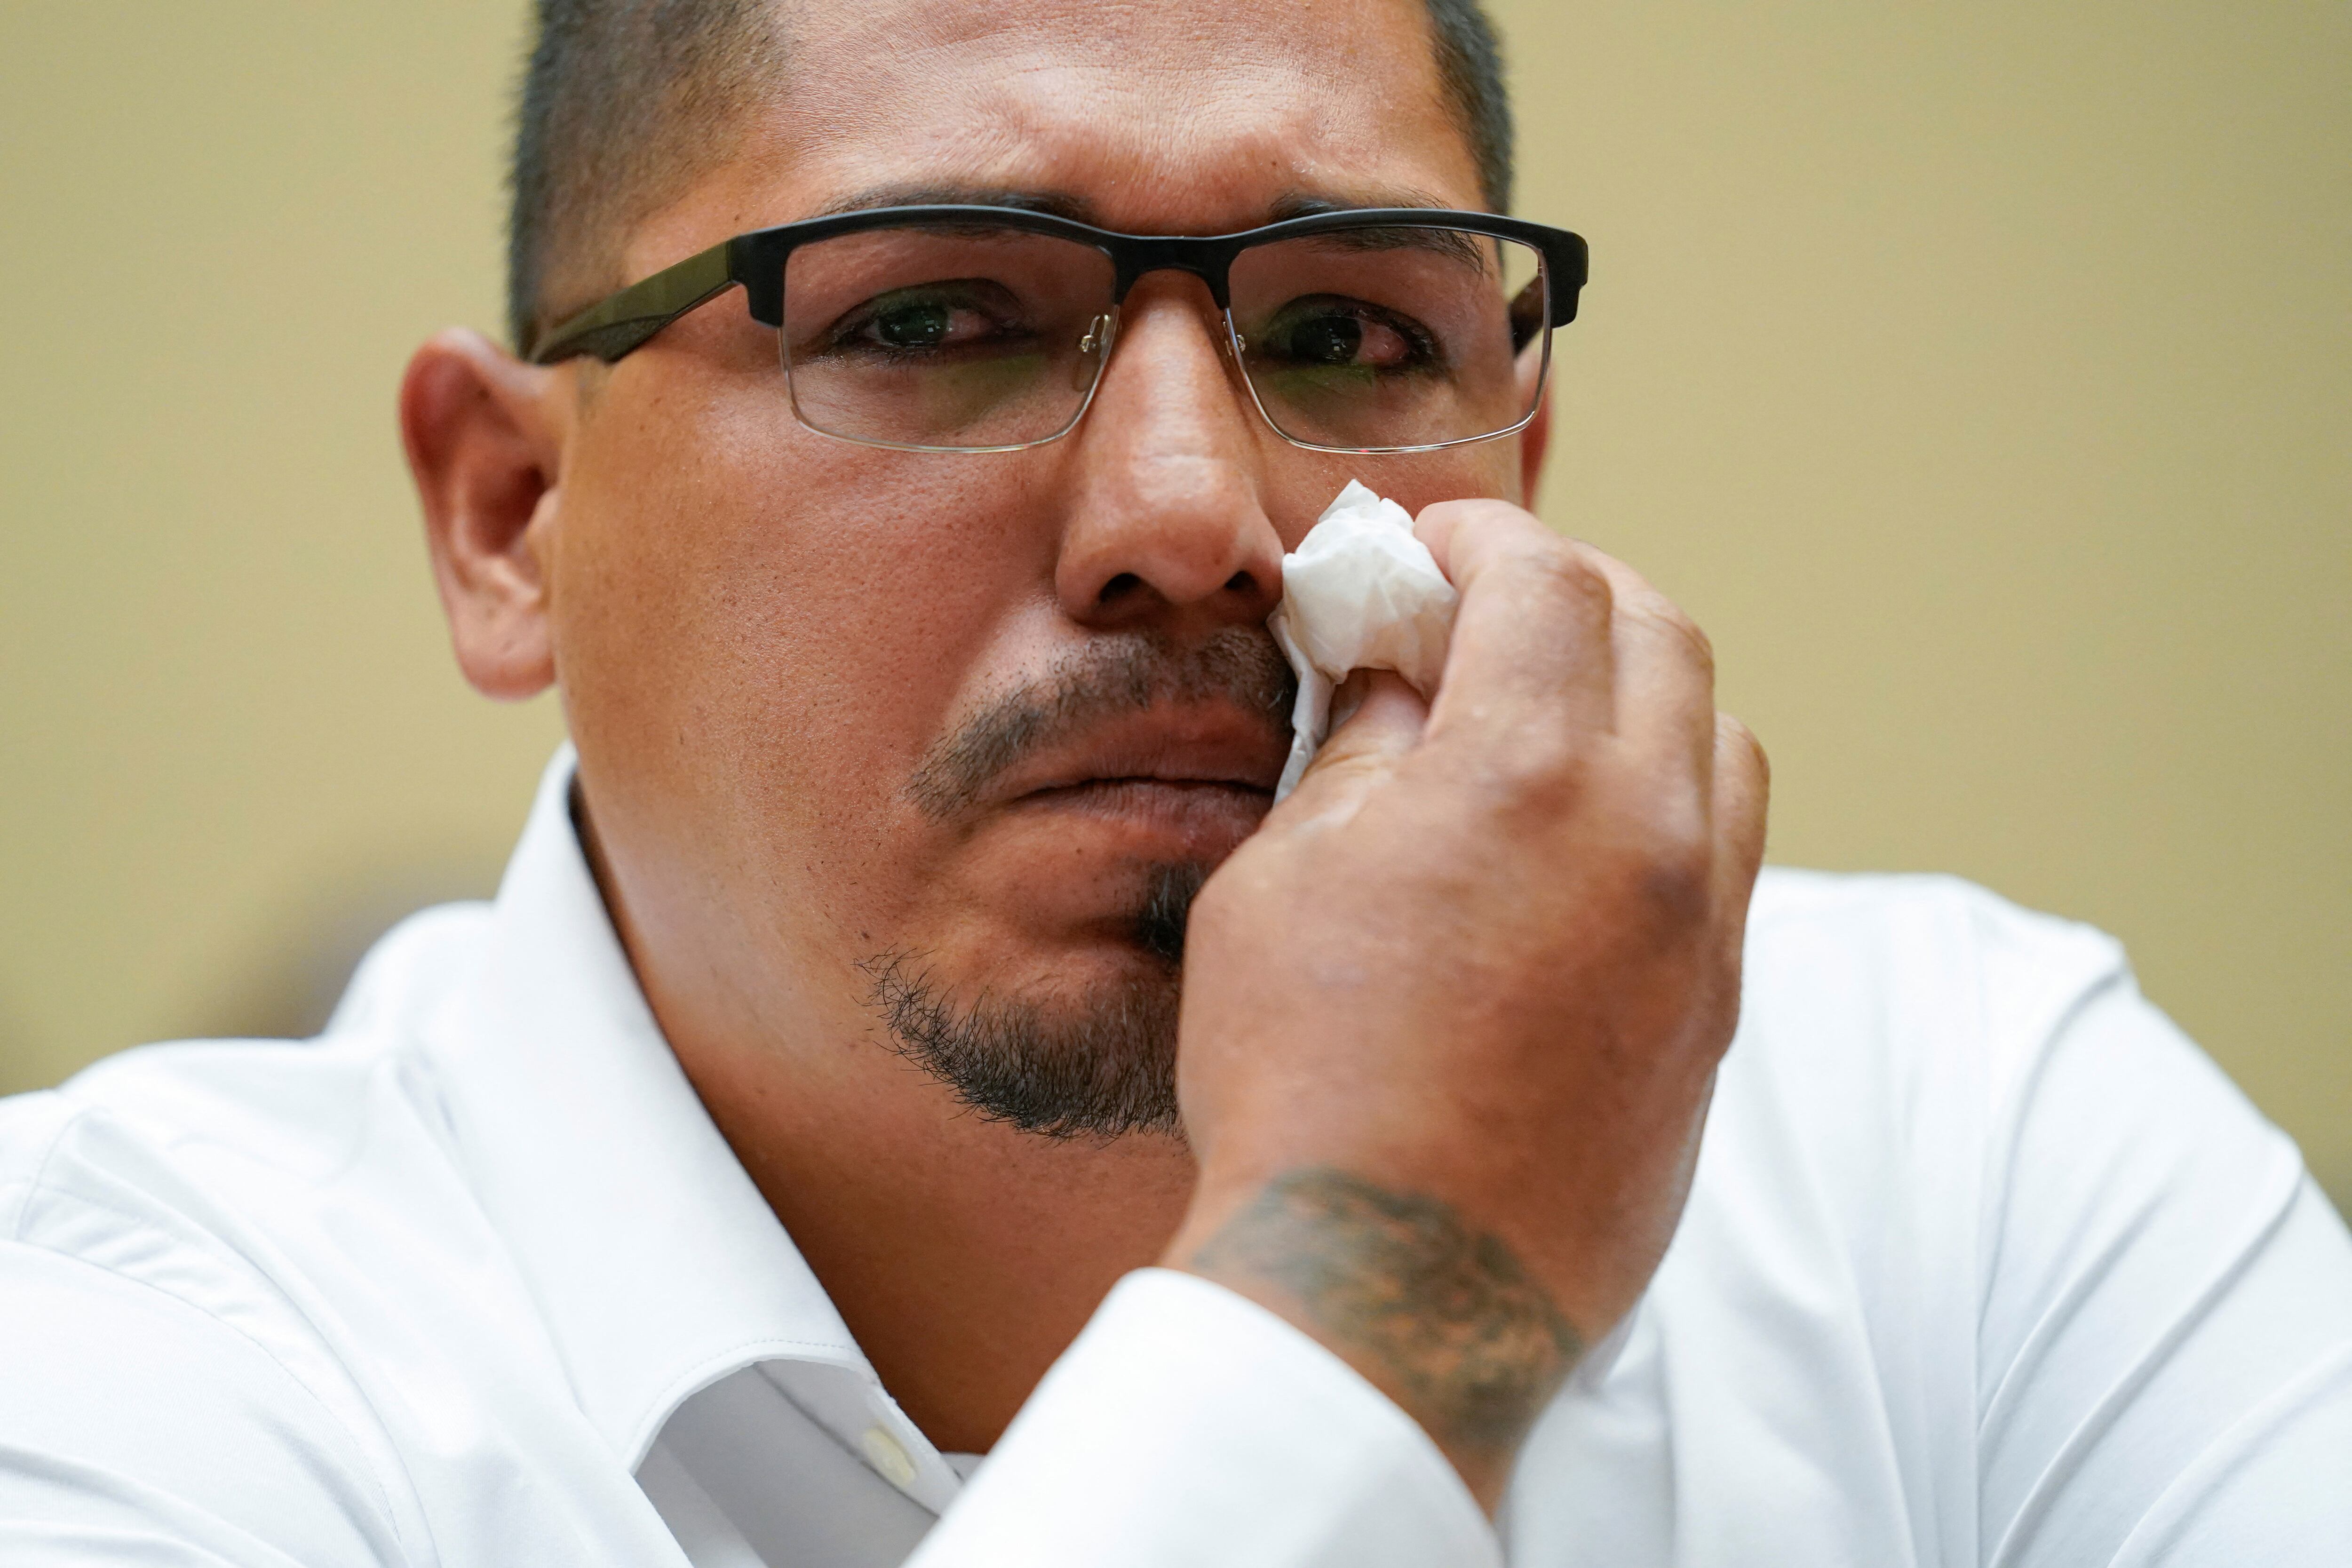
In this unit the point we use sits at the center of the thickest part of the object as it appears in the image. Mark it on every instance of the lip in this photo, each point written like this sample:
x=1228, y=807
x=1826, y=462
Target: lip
x=1166, y=752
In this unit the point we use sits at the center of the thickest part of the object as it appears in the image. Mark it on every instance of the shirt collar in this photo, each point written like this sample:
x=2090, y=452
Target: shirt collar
x=657, y=1265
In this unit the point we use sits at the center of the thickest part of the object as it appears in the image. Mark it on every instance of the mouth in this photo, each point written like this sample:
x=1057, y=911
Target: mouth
x=1156, y=817
x=1170, y=761
x=1088, y=841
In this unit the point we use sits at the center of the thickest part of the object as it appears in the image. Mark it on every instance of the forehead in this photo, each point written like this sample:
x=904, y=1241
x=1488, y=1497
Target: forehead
x=1183, y=116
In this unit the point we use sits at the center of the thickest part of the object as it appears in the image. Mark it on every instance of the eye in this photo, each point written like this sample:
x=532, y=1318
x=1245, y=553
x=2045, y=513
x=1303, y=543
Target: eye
x=1332, y=332
x=931, y=319
x=924, y=324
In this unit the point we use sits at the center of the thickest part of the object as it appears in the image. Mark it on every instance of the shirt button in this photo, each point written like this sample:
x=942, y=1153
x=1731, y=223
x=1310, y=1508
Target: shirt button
x=883, y=1453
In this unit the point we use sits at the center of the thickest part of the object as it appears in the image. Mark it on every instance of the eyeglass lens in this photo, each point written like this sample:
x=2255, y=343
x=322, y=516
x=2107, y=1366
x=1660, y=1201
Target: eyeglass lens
x=970, y=337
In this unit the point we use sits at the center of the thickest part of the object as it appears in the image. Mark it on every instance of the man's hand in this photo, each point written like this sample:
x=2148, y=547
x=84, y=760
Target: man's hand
x=1451, y=1018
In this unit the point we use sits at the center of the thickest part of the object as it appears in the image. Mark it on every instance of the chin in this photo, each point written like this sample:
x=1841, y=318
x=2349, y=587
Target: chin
x=1061, y=935
x=1077, y=1042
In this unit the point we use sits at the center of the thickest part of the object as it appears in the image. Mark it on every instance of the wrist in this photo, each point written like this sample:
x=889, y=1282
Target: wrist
x=1440, y=1316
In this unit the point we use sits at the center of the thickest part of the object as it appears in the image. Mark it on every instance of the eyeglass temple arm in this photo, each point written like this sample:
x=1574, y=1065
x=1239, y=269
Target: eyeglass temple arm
x=614, y=325
x=1572, y=267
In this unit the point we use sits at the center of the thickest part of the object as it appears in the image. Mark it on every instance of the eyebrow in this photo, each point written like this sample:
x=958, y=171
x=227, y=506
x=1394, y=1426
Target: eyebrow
x=1058, y=203
x=1308, y=203
x=1079, y=209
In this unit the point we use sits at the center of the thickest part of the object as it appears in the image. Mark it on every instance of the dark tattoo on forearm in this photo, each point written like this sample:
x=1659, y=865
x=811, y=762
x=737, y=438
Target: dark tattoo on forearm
x=1474, y=1344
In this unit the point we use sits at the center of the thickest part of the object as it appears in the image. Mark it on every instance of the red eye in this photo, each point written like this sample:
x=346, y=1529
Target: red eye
x=1382, y=346
x=1332, y=333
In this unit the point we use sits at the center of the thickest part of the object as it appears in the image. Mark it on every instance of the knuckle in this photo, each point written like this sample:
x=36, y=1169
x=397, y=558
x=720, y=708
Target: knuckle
x=1677, y=889
x=1542, y=775
x=1678, y=853
x=1655, y=610
x=1560, y=572
x=1661, y=892
x=1531, y=782
x=1747, y=752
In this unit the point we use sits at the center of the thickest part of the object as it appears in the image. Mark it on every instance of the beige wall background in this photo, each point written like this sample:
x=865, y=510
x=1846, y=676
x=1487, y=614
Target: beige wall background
x=1980, y=376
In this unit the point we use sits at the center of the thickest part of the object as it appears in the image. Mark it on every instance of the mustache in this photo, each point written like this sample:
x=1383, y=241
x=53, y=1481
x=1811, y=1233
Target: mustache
x=1116, y=674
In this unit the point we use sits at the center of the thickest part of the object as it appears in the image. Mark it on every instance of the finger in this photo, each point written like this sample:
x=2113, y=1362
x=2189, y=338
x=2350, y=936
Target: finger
x=1665, y=674
x=1377, y=720
x=1530, y=659
x=1742, y=800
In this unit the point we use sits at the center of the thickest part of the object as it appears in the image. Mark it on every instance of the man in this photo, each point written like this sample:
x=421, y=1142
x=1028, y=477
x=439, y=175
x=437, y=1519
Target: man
x=905, y=1034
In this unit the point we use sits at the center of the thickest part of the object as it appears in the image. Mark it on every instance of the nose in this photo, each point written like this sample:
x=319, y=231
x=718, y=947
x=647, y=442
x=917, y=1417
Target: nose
x=1165, y=526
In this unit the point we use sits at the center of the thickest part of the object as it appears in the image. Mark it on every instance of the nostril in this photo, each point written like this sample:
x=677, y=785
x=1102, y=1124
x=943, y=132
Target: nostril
x=1241, y=582
x=1118, y=588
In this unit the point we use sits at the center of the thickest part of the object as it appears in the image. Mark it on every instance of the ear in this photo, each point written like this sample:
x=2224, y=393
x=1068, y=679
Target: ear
x=1534, y=441
x=485, y=437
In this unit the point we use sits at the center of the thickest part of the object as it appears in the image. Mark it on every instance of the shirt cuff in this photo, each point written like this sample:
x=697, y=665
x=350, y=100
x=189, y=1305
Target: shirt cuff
x=1188, y=1426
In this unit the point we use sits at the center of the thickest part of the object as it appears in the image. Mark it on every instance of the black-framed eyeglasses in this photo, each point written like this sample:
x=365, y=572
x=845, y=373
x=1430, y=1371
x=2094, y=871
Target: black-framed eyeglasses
x=980, y=329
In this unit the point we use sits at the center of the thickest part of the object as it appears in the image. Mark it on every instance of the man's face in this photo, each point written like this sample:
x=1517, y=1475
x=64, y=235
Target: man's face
x=956, y=734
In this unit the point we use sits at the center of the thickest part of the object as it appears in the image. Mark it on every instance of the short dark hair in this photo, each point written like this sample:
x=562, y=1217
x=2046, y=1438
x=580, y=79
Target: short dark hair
x=621, y=98
x=1470, y=67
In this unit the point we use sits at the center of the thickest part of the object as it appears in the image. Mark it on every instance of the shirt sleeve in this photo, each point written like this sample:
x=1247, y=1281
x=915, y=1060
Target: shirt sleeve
x=2165, y=1372
x=135, y=1429
x=1188, y=1427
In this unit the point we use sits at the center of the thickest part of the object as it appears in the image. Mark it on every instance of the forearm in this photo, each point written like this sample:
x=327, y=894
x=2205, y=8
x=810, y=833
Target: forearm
x=1439, y=1315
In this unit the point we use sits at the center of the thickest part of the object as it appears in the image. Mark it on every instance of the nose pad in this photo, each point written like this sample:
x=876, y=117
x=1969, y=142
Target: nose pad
x=1094, y=352
x=1101, y=336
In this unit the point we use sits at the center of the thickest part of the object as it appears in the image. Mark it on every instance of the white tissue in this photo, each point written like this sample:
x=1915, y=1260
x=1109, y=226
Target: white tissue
x=1359, y=593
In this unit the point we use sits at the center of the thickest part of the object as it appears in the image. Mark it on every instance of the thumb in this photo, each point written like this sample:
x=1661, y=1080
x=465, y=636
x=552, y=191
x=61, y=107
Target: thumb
x=1377, y=720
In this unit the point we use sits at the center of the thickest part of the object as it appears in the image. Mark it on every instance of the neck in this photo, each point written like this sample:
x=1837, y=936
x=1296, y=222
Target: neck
x=963, y=1255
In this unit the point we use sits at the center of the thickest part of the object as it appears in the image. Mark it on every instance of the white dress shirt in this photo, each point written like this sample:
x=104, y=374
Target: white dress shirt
x=1983, y=1264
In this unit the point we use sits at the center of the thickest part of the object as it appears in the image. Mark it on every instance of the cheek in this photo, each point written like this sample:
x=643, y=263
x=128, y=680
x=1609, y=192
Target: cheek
x=1299, y=485
x=759, y=630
